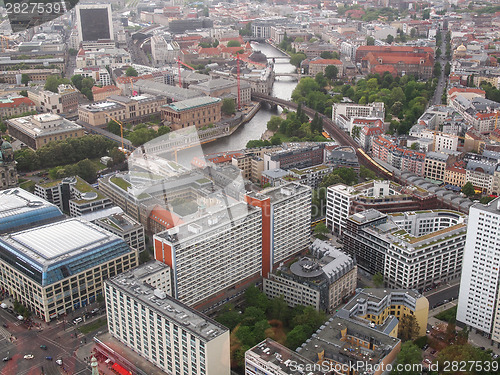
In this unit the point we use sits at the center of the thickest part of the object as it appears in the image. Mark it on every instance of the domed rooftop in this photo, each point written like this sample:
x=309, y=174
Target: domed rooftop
x=258, y=56
x=461, y=48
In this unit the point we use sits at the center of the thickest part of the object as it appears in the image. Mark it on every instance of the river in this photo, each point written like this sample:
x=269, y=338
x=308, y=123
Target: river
x=282, y=88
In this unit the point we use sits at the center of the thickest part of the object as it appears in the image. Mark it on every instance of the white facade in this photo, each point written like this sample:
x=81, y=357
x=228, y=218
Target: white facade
x=163, y=51
x=349, y=110
x=100, y=76
x=174, y=337
x=443, y=141
x=339, y=200
x=212, y=253
x=478, y=300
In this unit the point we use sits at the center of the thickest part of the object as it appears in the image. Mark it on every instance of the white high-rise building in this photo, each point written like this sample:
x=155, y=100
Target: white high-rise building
x=176, y=338
x=478, y=301
x=339, y=200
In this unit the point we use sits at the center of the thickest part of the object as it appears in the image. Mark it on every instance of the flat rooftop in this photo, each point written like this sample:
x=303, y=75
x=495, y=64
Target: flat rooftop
x=132, y=283
x=281, y=357
x=51, y=243
x=33, y=125
x=119, y=222
x=187, y=104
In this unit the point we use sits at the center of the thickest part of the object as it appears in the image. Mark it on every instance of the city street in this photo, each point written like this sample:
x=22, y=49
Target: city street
x=60, y=340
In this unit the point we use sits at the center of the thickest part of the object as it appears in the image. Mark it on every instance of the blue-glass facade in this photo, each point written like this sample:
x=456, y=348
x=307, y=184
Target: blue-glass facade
x=30, y=219
x=46, y=274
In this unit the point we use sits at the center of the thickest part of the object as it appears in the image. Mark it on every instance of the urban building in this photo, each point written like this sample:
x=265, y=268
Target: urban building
x=384, y=196
x=435, y=165
x=53, y=274
x=404, y=159
x=478, y=111
x=102, y=93
x=15, y=105
x=11, y=63
x=164, y=50
x=324, y=280
x=8, y=170
x=286, y=222
x=37, y=130
x=192, y=112
x=341, y=342
x=64, y=101
x=413, y=250
x=35, y=75
x=222, y=87
x=478, y=299
x=133, y=109
x=303, y=156
x=343, y=112
x=20, y=210
x=319, y=65
x=261, y=28
x=379, y=306
x=100, y=75
x=94, y=22
x=211, y=253
x=176, y=338
x=73, y=195
x=126, y=228
x=270, y=357
x=312, y=176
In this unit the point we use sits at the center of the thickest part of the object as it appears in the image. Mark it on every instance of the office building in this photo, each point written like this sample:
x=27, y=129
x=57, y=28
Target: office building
x=302, y=156
x=323, y=280
x=478, y=300
x=124, y=227
x=177, y=339
x=73, y=195
x=270, y=357
x=413, y=250
x=100, y=76
x=340, y=343
x=378, y=307
x=384, y=196
x=213, y=252
x=37, y=130
x=64, y=101
x=94, y=22
x=197, y=112
x=164, y=50
x=286, y=222
x=343, y=112
x=20, y=209
x=53, y=273
x=102, y=93
x=8, y=171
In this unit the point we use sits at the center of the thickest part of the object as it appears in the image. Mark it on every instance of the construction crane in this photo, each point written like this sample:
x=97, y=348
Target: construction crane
x=121, y=129
x=179, y=62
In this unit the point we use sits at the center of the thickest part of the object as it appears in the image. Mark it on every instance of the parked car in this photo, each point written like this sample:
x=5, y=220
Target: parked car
x=59, y=362
x=77, y=320
x=48, y=358
x=29, y=356
x=5, y=325
x=7, y=359
x=43, y=347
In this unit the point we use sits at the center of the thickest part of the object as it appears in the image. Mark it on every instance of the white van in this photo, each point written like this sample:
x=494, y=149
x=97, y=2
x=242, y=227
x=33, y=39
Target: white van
x=77, y=320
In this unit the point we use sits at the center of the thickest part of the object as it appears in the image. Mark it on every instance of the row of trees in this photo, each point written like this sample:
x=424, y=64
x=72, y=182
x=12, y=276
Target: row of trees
x=264, y=317
x=69, y=151
x=84, y=85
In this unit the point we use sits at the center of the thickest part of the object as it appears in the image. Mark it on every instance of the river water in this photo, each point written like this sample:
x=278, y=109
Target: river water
x=283, y=87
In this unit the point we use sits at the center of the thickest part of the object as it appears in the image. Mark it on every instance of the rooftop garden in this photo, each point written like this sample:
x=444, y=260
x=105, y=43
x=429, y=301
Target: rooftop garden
x=120, y=182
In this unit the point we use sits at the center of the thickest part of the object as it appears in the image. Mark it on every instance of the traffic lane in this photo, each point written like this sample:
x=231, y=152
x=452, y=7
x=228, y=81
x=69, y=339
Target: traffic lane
x=449, y=294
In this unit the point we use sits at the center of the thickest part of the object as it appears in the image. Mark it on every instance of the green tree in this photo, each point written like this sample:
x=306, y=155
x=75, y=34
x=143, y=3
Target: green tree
x=246, y=336
x=408, y=328
x=296, y=337
x=447, y=69
x=468, y=354
x=370, y=41
x=25, y=78
x=162, y=130
x=87, y=170
x=233, y=43
x=320, y=79
x=113, y=127
x=426, y=14
x=131, y=72
x=317, y=124
x=52, y=83
x=437, y=69
x=390, y=39
x=23, y=93
x=77, y=81
x=141, y=135
x=378, y=280
x=297, y=58
x=414, y=146
x=216, y=43
x=117, y=156
x=410, y=354
x=274, y=123
x=331, y=72
x=72, y=52
x=355, y=132
x=254, y=297
x=468, y=189
x=228, y=106
x=276, y=140
x=329, y=55
x=321, y=229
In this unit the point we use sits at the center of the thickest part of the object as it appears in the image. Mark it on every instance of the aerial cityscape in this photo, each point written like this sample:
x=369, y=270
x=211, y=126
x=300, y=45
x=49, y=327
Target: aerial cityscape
x=249, y=188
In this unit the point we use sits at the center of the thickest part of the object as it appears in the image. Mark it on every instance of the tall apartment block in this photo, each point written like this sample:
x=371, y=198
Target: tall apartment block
x=213, y=252
x=168, y=333
x=478, y=300
x=286, y=222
